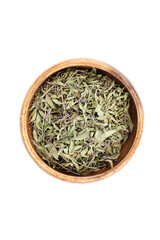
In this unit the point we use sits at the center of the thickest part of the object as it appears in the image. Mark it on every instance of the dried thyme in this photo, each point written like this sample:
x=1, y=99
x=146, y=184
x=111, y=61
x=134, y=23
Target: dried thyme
x=80, y=120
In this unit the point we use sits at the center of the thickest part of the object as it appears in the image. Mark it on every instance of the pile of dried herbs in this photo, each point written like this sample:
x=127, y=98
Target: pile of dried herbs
x=80, y=120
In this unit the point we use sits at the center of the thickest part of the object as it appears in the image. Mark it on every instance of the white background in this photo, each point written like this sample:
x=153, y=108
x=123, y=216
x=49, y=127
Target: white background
x=36, y=35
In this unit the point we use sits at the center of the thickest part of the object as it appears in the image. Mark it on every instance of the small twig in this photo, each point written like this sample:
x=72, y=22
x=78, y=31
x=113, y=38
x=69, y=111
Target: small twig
x=47, y=91
x=88, y=164
x=63, y=102
x=43, y=123
x=46, y=117
x=72, y=75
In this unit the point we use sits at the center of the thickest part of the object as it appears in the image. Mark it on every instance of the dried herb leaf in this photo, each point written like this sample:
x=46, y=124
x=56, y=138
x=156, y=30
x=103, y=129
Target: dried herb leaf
x=82, y=135
x=106, y=135
x=71, y=147
x=49, y=101
x=54, y=152
x=83, y=153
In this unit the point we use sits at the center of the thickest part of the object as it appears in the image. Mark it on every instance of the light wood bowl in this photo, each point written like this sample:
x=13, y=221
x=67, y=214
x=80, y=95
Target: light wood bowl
x=136, y=113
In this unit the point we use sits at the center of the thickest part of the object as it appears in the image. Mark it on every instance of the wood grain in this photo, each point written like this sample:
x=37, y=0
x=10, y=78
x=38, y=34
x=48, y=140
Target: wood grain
x=129, y=147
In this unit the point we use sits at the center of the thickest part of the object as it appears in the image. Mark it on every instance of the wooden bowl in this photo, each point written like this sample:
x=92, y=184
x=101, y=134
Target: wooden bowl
x=128, y=148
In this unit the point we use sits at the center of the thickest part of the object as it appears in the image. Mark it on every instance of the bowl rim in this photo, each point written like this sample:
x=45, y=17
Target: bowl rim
x=80, y=62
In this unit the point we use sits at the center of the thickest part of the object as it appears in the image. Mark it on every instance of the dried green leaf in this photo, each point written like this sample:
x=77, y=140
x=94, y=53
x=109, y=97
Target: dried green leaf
x=41, y=113
x=98, y=110
x=77, y=147
x=98, y=135
x=56, y=101
x=71, y=147
x=109, y=149
x=106, y=135
x=49, y=102
x=54, y=152
x=94, y=70
x=110, y=162
x=72, y=159
x=83, y=153
x=33, y=116
x=82, y=135
x=35, y=135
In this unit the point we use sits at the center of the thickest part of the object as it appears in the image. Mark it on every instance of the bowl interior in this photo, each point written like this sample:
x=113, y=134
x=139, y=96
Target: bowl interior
x=126, y=147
